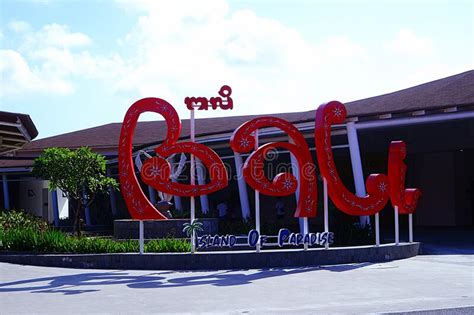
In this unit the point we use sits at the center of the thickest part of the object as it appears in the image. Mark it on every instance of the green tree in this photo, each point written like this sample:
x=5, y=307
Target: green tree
x=79, y=173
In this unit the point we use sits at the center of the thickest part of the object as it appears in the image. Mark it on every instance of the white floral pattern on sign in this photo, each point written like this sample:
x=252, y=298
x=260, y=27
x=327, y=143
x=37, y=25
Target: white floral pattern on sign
x=337, y=112
x=382, y=187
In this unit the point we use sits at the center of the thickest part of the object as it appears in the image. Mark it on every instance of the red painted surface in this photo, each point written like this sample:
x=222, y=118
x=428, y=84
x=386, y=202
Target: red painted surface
x=223, y=101
x=376, y=185
x=405, y=199
x=156, y=171
x=283, y=184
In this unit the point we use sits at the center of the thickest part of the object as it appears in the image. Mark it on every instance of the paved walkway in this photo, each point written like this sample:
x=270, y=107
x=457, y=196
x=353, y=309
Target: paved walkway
x=419, y=283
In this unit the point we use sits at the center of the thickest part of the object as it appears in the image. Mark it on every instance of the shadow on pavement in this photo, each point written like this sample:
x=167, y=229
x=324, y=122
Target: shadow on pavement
x=92, y=281
x=438, y=240
x=447, y=242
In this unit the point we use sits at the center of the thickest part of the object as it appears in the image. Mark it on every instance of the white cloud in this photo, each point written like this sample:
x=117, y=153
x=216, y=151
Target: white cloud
x=49, y=60
x=435, y=71
x=341, y=47
x=19, y=26
x=193, y=48
x=55, y=35
x=179, y=49
x=16, y=77
x=408, y=43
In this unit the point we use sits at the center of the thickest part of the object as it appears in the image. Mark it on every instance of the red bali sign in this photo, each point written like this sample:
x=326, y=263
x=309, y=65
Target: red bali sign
x=156, y=170
x=283, y=184
x=405, y=199
x=202, y=103
x=376, y=185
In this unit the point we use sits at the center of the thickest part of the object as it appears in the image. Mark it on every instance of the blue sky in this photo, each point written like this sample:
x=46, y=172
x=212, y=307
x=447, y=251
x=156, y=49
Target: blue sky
x=76, y=64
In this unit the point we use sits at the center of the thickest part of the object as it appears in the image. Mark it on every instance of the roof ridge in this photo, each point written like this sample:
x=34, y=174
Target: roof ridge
x=462, y=74
x=72, y=132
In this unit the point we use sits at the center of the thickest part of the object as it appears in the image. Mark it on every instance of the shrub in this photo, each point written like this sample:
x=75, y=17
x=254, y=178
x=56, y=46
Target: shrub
x=52, y=241
x=20, y=231
x=167, y=245
x=19, y=219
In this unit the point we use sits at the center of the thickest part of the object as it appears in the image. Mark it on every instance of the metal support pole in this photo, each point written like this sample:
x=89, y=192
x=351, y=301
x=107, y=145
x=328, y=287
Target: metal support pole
x=200, y=171
x=356, y=166
x=377, y=230
x=410, y=228
x=257, y=202
x=397, y=237
x=244, y=198
x=54, y=199
x=141, y=237
x=305, y=230
x=326, y=210
x=193, y=202
x=6, y=194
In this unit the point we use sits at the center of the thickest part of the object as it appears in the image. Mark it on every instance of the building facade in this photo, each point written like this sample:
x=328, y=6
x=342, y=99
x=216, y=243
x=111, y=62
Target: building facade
x=435, y=119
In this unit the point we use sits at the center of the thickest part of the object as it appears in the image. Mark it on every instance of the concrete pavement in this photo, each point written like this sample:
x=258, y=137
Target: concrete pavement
x=415, y=284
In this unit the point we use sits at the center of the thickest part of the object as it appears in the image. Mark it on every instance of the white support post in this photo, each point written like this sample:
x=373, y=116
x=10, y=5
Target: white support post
x=397, y=237
x=141, y=237
x=244, y=198
x=257, y=202
x=305, y=230
x=54, y=199
x=192, y=201
x=326, y=210
x=200, y=171
x=410, y=228
x=377, y=230
x=6, y=194
x=356, y=166
x=113, y=201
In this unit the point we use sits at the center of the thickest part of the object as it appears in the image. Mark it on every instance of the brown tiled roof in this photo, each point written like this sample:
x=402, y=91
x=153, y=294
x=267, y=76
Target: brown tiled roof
x=25, y=120
x=15, y=131
x=15, y=163
x=456, y=90
x=107, y=136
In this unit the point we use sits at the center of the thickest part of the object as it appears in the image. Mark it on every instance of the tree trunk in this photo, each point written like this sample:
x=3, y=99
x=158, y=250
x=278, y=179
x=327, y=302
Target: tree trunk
x=77, y=218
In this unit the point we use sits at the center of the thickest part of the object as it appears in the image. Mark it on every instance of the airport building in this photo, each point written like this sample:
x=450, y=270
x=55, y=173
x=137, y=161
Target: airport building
x=434, y=119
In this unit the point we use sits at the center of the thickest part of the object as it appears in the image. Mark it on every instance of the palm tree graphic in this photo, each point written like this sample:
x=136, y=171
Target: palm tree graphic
x=192, y=228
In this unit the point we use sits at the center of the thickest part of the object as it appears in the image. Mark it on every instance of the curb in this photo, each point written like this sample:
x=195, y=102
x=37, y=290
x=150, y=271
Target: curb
x=219, y=260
